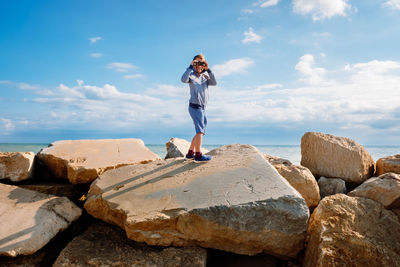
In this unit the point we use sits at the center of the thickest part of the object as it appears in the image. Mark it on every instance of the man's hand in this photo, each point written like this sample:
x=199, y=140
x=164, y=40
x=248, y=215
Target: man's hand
x=206, y=66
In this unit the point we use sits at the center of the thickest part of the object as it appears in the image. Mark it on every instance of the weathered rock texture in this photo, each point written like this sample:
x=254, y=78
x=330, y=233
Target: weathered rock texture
x=106, y=245
x=177, y=147
x=236, y=202
x=385, y=189
x=338, y=157
x=81, y=161
x=331, y=186
x=299, y=177
x=388, y=164
x=30, y=219
x=16, y=166
x=352, y=231
x=70, y=191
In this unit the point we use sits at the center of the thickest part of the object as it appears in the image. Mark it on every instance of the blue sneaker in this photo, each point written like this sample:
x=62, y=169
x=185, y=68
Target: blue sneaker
x=189, y=157
x=202, y=159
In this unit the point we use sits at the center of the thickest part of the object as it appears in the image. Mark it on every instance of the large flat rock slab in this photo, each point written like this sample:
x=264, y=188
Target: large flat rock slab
x=30, y=219
x=107, y=245
x=82, y=161
x=16, y=166
x=352, y=231
x=236, y=202
x=337, y=157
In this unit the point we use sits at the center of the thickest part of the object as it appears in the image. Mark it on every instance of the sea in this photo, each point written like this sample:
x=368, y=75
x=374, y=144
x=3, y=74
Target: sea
x=290, y=152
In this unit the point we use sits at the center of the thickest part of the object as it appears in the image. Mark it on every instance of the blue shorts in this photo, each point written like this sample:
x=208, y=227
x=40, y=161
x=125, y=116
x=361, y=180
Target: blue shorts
x=199, y=119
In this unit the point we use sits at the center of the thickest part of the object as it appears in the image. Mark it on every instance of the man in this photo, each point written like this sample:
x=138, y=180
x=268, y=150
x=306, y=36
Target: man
x=199, y=76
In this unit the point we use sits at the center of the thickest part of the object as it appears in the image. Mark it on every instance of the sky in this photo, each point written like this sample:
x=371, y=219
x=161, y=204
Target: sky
x=111, y=69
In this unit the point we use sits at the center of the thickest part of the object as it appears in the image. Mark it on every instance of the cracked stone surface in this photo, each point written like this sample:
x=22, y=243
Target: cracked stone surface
x=388, y=164
x=30, y=219
x=16, y=166
x=106, y=245
x=236, y=202
x=82, y=161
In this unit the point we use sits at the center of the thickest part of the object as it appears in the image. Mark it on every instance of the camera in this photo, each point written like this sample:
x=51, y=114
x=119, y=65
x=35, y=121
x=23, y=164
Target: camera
x=199, y=63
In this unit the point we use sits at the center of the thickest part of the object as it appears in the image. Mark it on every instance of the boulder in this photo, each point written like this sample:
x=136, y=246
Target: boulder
x=352, y=231
x=299, y=177
x=385, y=189
x=71, y=191
x=388, y=164
x=177, y=148
x=107, y=245
x=82, y=161
x=16, y=166
x=331, y=186
x=236, y=202
x=30, y=219
x=337, y=157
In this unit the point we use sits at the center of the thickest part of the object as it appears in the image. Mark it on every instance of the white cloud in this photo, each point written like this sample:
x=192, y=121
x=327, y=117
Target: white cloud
x=373, y=67
x=121, y=67
x=311, y=74
x=394, y=4
x=321, y=9
x=232, y=66
x=269, y=3
x=95, y=39
x=251, y=37
x=22, y=86
x=133, y=76
x=247, y=11
x=96, y=55
x=8, y=125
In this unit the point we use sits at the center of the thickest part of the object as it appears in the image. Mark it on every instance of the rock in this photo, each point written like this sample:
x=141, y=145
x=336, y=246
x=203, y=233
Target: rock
x=236, y=202
x=30, y=219
x=177, y=148
x=81, y=161
x=385, y=189
x=337, y=157
x=106, y=245
x=388, y=164
x=331, y=186
x=299, y=177
x=352, y=231
x=397, y=212
x=16, y=166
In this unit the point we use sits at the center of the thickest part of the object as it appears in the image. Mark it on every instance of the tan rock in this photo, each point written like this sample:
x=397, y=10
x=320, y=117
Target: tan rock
x=30, y=219
x=299, y=177
x=236, y=202
x=352, y=231
x=388, y=164
x=336, y=157
x=177, y=147
x=81, y=161
x=70, y=191
x=385, y=189
x=16, y=166
x=106, y=245
x=331, y=186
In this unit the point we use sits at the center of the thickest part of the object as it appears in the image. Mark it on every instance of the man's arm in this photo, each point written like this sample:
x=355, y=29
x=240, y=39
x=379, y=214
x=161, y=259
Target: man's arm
x=185, y=76
x=212, y=80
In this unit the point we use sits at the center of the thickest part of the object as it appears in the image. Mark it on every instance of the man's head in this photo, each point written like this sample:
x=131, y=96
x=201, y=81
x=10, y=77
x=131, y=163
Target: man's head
x=199, y=63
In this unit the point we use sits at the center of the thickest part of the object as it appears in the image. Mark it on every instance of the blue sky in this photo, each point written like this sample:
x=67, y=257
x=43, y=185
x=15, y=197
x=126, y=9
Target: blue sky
x=111, y=69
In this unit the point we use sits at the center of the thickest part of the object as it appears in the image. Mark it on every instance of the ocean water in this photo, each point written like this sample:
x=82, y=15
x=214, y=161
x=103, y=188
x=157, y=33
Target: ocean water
x=292, y=153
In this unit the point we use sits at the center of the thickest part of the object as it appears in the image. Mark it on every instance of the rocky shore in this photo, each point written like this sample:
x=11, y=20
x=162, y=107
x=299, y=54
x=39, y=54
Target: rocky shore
x=115, y=203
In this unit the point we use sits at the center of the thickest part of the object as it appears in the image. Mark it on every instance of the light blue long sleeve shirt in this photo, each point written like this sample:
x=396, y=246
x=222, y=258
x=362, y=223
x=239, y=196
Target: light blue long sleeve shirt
x=198, y=85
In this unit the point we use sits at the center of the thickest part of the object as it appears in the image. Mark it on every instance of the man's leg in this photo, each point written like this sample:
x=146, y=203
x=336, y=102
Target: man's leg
x=198, y=140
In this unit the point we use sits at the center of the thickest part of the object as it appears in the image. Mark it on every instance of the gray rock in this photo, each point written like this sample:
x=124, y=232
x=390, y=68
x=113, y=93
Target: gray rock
x=106, y=245
x=30, y=219
x=177, y=148
x=16, y=166
x=236, y=202
x=331, y=186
